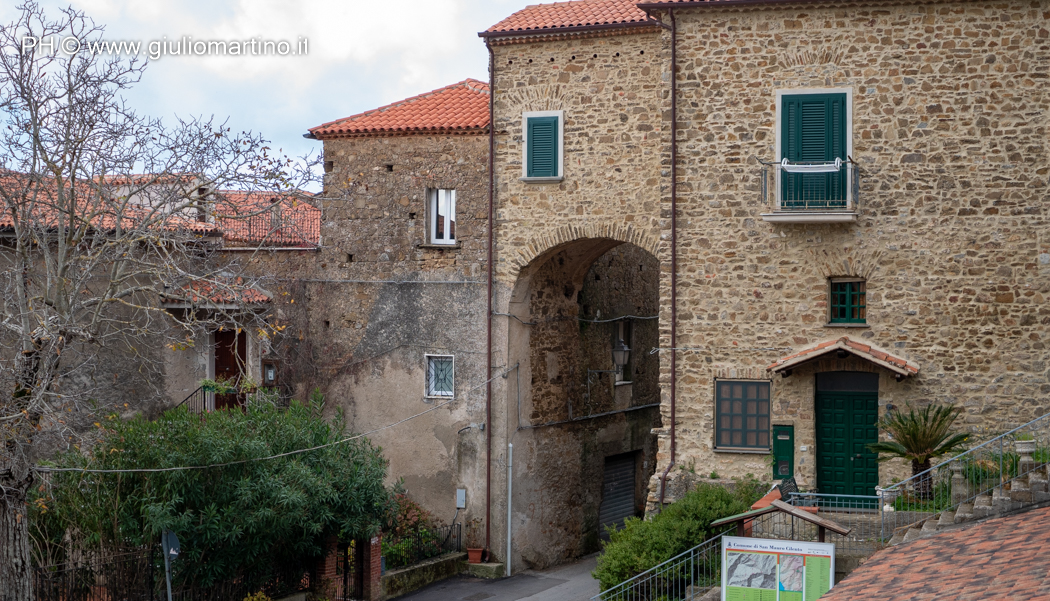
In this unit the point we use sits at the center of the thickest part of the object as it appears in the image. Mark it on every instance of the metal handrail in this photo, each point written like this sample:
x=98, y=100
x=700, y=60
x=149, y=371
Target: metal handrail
x=927, y=473
x=190, y=396
x=624, y=586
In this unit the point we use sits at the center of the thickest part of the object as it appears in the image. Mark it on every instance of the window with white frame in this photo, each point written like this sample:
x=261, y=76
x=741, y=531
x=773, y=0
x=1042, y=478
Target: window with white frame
x=542, y=146
x=441, y=372
x=441, y=210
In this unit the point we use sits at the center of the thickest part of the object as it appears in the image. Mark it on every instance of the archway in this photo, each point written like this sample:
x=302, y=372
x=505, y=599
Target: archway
x=583, y=426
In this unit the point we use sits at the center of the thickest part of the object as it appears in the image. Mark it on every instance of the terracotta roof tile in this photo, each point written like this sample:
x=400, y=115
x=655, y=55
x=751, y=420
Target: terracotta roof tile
x=267, y=219
x=580, y=13
x=460, y=107
x=864, y=351
x=203, y=292
x=997, y=559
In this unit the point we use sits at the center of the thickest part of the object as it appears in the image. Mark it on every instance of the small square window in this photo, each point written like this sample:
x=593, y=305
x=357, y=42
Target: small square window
x=848, y=301
x=441, y=216
x=440, y=376
x=742, y=414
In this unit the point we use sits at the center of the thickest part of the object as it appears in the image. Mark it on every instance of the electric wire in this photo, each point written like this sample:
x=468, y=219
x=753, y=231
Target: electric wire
x=44, y=469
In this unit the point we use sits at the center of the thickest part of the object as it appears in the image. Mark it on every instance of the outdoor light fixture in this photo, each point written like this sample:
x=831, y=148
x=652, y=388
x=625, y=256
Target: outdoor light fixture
x=621, y=354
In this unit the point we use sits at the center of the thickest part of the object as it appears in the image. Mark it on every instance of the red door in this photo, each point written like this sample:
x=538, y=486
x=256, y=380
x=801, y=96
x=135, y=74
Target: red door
x=230, y=355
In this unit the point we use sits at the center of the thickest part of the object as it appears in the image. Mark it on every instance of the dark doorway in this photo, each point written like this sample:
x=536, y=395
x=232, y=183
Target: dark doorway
x=231, y=348
x=847, y=406
x=618, y=486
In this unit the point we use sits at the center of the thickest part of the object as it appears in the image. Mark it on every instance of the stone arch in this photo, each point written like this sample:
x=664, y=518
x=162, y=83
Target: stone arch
x=550, y=241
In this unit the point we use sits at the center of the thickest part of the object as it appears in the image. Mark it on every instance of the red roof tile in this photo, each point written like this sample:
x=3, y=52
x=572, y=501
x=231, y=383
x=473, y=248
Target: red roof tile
x=864, y=351
x=204, y=292
x=267, y=219
x=1001, y=558
x=458, y=108
x=580, y=13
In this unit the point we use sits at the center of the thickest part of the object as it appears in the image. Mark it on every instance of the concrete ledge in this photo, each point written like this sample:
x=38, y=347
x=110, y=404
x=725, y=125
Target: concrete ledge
x=405, y=580
x=491, y=571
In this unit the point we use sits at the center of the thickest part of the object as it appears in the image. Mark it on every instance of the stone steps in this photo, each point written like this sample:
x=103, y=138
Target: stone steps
x=1025, y=490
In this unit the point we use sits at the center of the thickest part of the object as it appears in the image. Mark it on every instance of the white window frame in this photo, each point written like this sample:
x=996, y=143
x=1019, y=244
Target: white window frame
x=428, y=390
x=434, y=196
x=525, y=116
x=778, y=132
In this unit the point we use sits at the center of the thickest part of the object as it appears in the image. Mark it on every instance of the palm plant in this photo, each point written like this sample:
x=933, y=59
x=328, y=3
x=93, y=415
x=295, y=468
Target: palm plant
x=921, y=436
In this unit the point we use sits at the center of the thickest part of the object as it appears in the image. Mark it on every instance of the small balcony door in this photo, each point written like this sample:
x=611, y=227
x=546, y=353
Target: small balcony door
x=231, y=350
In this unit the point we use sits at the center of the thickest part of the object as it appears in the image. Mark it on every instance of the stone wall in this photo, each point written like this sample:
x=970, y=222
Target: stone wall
x=950, y=131
x=378, y=298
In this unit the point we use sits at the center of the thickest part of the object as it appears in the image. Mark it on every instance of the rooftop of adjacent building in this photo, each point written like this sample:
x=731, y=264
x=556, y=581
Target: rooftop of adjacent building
x=462, y=107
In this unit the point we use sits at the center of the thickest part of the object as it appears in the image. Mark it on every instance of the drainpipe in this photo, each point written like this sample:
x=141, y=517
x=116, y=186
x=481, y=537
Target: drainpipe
x=488, y=314
x=674, y=247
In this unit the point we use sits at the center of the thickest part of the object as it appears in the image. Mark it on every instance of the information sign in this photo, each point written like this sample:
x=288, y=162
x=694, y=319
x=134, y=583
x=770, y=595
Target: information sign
x=761, y=569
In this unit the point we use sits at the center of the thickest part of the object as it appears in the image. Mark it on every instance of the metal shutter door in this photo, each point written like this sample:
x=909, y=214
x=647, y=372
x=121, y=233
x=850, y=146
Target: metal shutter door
x=617, y=491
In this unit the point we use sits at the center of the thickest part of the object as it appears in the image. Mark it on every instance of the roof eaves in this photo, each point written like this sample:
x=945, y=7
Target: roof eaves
x=569, y=29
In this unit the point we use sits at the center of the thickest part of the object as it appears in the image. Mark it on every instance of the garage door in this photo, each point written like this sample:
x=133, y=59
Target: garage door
x=617, y=491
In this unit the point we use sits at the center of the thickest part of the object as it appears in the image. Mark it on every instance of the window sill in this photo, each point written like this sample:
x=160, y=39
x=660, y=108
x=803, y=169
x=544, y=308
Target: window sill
x=455, y=246
x=846, y=325
x=741, y=450
x=623, y=383
x=541, y=180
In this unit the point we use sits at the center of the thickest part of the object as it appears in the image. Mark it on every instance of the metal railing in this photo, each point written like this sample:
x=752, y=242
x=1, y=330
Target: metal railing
x=138, y=575
x=688, y=575
x=422, y=545
x=198, y=401
x=828, y=187
x=1006, y=466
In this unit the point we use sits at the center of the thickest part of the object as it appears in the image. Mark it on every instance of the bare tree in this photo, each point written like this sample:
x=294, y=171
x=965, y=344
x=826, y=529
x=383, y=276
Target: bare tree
x=106, y=215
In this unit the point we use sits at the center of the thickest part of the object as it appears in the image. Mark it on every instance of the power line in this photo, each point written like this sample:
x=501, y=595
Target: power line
x=286, y=454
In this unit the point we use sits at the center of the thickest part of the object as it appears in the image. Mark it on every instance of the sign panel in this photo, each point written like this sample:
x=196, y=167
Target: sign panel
x=761, y=569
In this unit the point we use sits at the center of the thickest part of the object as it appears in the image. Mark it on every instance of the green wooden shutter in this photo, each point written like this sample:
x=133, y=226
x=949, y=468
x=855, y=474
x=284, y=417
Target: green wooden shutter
x=814, y=130
x=542, y=157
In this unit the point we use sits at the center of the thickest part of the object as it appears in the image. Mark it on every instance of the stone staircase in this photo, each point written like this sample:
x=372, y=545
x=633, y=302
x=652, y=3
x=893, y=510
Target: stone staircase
x=1031, y=488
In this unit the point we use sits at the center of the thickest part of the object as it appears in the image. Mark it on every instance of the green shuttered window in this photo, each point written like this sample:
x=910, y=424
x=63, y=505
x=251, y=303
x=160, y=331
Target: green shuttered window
x=813, y=131
x=742, y=414
x=542, y=147
x=848, y=302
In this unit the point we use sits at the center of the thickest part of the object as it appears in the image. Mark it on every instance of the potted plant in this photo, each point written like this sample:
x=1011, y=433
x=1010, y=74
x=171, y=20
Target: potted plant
x=474, y=540
x=920, y=435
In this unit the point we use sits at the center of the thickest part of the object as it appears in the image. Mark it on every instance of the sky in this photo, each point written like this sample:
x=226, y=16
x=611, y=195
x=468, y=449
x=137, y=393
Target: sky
x=359, y=55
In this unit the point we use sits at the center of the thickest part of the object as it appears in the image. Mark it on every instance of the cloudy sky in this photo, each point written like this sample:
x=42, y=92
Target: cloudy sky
x=361, y=54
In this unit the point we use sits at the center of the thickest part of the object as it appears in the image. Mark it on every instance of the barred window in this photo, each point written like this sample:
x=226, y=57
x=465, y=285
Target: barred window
x=742, y=414
x=440, y=376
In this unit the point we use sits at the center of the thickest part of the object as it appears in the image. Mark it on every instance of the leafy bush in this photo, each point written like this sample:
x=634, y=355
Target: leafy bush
x=642, y=544
x=410, y=534
x=240, y=519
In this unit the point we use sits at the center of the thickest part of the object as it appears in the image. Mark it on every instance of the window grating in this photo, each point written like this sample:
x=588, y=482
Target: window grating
x=742, y=416
x=440, y=376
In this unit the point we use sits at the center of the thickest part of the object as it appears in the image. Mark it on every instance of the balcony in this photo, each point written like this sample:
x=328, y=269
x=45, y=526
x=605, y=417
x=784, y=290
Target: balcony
x=810, y=192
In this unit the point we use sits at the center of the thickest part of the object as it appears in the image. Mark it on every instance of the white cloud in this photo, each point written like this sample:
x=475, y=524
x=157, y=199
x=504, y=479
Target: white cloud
x=362, y=54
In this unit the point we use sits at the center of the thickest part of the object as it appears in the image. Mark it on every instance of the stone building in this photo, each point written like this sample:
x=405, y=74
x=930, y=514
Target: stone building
x=846, y=201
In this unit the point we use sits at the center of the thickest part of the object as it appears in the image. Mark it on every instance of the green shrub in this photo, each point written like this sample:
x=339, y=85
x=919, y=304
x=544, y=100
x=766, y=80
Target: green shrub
x=238, y=519
x=642, y=544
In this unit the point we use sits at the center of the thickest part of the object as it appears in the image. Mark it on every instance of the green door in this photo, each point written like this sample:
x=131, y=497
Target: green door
x=845, y=428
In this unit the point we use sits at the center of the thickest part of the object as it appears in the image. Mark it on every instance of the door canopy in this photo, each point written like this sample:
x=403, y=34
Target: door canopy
x=841, y=347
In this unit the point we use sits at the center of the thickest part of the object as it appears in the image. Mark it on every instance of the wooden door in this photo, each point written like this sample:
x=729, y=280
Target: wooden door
x=230, y=355
x=845, y=426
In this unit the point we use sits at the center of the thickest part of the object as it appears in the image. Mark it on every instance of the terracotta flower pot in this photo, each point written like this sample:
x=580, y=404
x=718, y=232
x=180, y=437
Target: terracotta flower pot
x=474, y=555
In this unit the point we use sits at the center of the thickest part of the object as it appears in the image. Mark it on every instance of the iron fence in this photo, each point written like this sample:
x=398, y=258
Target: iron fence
x=139, y=575
x=198, y=401
x=422, y=545
x=810, y=186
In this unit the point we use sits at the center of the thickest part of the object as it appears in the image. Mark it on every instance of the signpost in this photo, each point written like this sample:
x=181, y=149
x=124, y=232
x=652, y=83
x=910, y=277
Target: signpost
x=760, y=569
x=169, y=544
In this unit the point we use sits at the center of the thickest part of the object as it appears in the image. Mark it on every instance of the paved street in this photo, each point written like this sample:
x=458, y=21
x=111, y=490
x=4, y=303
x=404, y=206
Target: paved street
x=571, y=582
